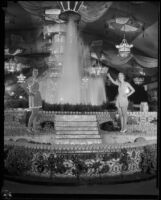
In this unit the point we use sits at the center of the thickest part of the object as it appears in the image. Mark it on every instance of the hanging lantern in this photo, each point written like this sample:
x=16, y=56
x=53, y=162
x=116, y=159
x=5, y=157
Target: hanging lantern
x=97, y=71
x=138, y=80
x=21, y=78
x=124, y=48
x=10, y=66
x=13, y=66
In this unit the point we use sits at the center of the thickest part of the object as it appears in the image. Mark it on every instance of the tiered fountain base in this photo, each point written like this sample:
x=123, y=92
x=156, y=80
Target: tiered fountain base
x=75, y=150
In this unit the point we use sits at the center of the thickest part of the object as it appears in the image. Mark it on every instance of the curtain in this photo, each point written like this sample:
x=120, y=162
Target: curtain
x=33, y=7
x=92, y=11
x=89, y=12
x=112, y=58
x=146, y=61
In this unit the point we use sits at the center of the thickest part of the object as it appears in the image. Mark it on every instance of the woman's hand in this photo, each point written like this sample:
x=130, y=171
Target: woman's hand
x=108, y=74
x=112, y=80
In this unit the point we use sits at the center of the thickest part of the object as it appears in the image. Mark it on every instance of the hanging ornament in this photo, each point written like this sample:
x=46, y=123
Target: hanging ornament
x=21, y=78
x=124, y=48
x=138, y=80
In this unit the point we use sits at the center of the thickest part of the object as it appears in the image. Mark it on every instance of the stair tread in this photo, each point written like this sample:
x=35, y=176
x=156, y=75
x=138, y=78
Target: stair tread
x=77, y=136
x=77, y=132
x=75, y=118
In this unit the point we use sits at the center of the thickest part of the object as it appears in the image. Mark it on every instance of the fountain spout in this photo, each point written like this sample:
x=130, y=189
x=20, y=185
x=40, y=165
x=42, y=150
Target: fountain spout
x=69, y=10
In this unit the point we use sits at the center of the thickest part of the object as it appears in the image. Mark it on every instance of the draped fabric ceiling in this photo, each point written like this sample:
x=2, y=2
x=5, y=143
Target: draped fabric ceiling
x=89, y=12
x=112, y=58
x=94, y=18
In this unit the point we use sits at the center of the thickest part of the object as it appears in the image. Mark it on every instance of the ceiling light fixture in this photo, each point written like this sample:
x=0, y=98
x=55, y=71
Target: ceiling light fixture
x=21, y=78
x=138, y=80
x=124, y=48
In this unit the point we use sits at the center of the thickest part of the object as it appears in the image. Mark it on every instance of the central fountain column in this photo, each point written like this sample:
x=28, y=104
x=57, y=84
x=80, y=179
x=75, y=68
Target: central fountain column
x=69, y=90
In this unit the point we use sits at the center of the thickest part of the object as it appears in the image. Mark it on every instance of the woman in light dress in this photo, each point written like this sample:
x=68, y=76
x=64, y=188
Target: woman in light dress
x=124, y=91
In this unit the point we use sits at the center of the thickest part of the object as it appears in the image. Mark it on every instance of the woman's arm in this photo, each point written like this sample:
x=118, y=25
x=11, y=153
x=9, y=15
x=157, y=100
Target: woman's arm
x=132, y=90
x=112, y=80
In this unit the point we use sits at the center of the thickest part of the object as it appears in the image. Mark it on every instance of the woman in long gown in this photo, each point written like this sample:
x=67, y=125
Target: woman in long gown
x=124, y=91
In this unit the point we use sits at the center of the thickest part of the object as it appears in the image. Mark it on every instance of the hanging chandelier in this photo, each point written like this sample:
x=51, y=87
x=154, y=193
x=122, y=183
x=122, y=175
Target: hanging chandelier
x=59, y=41
x=21, y=78
x=138, y=80
x=10, y=66
x=57, y=50
x=100, y=71
x=124, y=48
x=97, y=71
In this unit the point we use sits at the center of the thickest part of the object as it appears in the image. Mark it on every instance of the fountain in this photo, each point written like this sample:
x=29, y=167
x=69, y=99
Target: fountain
x=74, y=148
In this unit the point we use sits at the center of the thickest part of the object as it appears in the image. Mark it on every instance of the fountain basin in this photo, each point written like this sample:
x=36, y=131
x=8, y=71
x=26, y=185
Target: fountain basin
x=80, y=164
x=117, y=156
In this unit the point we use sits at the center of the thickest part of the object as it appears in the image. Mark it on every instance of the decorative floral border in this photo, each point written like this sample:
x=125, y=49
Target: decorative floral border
x=22, y=161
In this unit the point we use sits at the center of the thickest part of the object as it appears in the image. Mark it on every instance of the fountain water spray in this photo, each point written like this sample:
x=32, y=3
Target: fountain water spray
x=69, y=88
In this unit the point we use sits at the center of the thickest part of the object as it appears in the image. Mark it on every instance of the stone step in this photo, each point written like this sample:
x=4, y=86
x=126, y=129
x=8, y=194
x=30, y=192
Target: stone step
x=77, y=132
x=78, y=141
x=78, y=136
x=75, y=118
x=76, y=128
x=76, y=124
